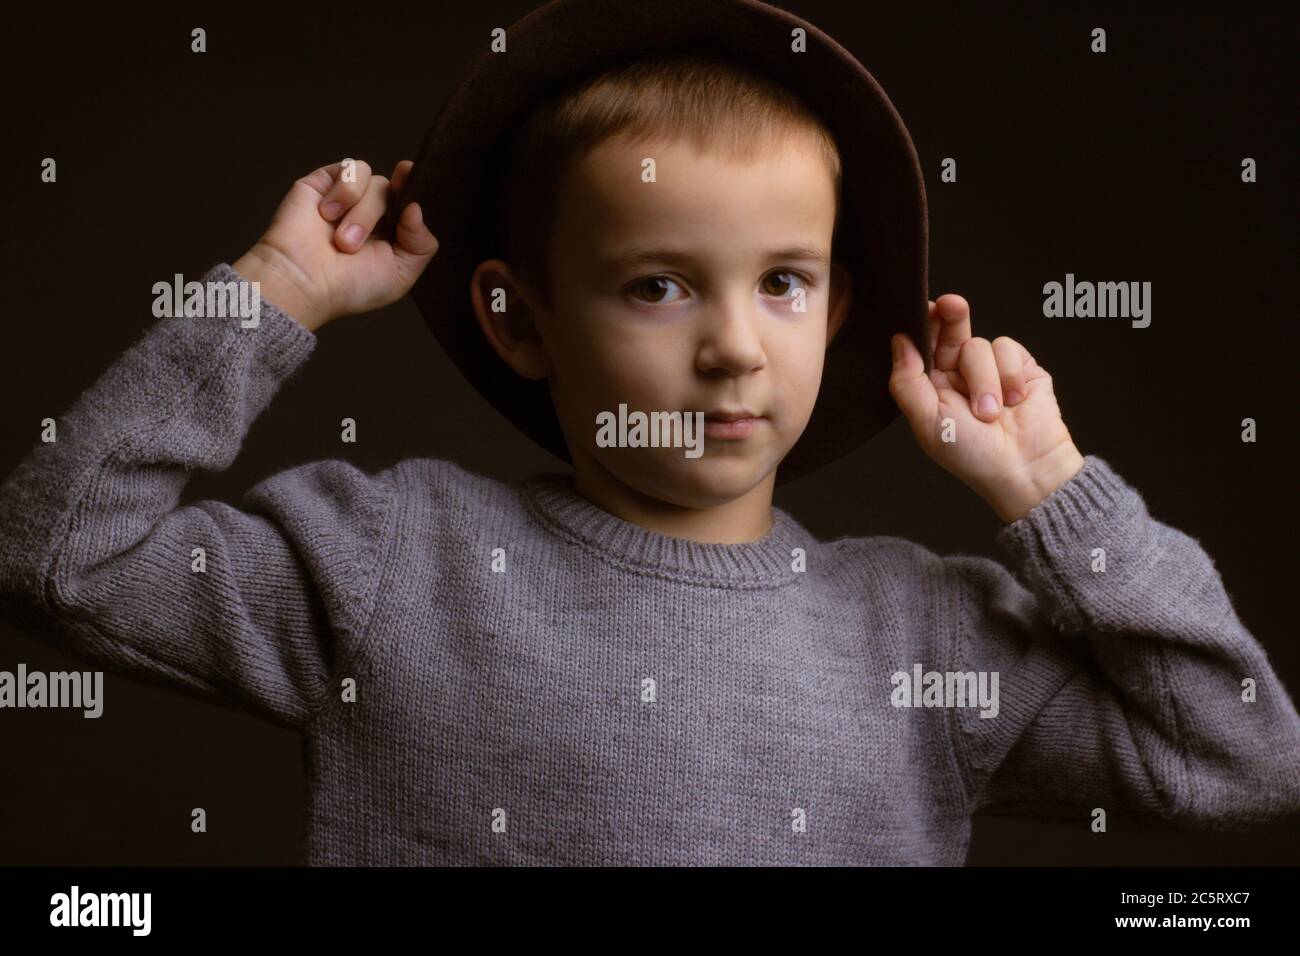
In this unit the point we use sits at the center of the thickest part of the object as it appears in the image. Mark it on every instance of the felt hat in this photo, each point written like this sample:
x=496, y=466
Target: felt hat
x=882, y=237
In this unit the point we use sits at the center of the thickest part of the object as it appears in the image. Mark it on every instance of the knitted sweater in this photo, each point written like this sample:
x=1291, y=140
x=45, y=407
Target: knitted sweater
x=598, y=693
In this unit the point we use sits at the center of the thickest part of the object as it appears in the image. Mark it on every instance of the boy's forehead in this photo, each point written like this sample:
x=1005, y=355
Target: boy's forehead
x=625, y=195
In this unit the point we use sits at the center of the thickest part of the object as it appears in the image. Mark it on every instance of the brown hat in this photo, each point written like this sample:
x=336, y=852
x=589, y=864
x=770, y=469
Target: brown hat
x=882, y=238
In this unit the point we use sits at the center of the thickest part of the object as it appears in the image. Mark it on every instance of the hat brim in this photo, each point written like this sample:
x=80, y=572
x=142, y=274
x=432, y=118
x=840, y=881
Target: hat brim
x=882, y=240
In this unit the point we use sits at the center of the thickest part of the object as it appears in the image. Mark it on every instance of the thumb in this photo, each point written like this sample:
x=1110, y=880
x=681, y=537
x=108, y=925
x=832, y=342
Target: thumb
x=910, y=386
x=414, y=245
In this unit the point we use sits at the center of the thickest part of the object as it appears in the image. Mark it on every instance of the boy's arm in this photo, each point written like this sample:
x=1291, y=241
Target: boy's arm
x=97, y=557
x=1120, y=689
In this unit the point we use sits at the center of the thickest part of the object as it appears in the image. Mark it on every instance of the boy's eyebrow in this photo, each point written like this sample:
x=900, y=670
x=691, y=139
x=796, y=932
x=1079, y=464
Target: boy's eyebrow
x=637, y=256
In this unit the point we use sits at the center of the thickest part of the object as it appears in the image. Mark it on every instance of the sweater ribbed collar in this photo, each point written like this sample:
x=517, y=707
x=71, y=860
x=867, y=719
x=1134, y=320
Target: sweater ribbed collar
x=764, y=563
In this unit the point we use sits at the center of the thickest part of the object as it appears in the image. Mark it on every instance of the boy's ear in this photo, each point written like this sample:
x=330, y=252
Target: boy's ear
x=841, y=298
x=508, y=317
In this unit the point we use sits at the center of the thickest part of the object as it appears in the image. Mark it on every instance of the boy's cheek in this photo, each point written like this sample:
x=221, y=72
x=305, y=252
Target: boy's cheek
x=801, y=374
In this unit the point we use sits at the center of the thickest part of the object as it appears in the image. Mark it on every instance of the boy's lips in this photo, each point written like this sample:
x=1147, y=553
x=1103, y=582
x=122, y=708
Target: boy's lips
x=729, y=415
x=731, y=424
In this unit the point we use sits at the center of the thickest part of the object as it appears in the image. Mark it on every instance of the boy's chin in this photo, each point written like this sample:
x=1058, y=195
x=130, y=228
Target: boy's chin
x=704, y=482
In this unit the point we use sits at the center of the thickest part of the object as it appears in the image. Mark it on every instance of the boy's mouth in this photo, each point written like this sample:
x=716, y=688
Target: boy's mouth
x=732, y=423
x=730, y=415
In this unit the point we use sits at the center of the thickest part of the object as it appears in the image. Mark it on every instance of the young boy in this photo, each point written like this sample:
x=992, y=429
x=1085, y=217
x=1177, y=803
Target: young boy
x=646, y=663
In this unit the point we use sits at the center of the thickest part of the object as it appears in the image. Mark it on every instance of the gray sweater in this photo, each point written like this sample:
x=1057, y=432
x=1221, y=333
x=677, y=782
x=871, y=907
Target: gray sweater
x=597, y=693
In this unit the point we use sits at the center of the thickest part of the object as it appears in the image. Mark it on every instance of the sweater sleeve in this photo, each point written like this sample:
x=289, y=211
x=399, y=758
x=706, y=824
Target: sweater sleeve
x=1129, y=685
x=98, y=559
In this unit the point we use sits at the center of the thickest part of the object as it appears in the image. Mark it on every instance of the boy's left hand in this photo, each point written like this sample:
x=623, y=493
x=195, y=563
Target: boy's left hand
x=1012, y=453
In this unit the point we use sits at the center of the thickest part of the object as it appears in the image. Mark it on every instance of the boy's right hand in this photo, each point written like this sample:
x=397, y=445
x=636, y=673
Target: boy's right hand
x=312, y=263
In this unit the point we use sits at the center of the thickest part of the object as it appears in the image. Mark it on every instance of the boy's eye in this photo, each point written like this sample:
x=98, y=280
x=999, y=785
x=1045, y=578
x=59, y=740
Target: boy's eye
x=653, y=289
x=789, y=278
x=651, y=285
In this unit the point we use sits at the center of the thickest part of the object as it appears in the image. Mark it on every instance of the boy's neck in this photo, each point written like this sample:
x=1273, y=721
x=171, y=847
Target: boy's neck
x=743, y=519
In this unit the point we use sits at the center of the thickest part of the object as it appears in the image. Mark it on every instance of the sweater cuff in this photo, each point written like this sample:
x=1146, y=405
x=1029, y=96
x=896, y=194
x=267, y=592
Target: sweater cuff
x=290, y=341
x=1093, y=524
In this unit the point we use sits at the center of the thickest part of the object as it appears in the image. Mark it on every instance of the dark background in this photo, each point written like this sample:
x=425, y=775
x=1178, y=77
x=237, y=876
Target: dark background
x=1123, y=166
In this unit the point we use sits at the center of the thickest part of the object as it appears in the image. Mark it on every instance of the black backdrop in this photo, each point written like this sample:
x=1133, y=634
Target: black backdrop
x=1122, y=166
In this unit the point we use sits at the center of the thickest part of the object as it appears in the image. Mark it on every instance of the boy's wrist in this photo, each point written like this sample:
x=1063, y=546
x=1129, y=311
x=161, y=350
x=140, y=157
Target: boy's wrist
x=277, y=285
x=1013, y=500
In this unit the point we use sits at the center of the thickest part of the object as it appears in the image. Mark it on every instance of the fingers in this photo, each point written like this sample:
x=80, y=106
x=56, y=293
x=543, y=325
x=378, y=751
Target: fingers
x=347, y=189
x=358, y=204
x=398, y=179
x=910, y=386
x=359, y=220
x=979, y=368
x=994, y=373
x=1013, y=360
x=949, y=327
x=348, y=181
x=988, y=374
x=415, y=244
x=414, y=240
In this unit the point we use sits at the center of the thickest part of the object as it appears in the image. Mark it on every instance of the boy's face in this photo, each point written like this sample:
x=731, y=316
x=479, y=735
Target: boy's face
x=683, y=294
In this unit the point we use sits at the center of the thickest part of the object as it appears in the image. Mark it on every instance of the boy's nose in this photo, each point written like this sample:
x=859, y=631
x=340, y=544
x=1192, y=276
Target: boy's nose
x=729, y=339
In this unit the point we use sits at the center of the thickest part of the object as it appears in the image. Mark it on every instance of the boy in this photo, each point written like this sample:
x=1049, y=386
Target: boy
x=646, y=663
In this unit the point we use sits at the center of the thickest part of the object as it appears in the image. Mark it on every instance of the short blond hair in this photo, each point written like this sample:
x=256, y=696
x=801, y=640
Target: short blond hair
x=710, y=101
